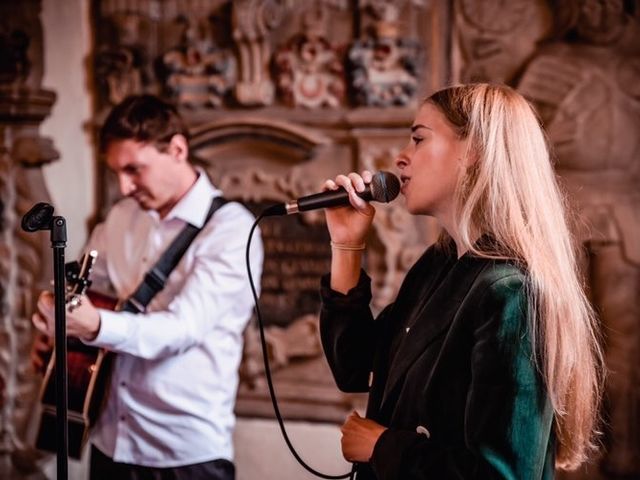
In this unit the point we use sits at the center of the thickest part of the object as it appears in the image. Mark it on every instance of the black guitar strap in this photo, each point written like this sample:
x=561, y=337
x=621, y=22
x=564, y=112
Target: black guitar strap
x=155, y=279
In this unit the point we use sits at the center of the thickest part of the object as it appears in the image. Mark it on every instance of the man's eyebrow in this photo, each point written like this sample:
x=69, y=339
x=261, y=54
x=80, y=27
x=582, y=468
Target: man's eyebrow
x=418, y=126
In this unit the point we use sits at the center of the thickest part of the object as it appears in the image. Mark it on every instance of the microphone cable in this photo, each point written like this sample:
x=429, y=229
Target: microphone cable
x=267, y=371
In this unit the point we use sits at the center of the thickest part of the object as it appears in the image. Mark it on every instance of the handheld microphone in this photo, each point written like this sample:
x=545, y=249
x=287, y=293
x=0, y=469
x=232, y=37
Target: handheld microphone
x=384, y=187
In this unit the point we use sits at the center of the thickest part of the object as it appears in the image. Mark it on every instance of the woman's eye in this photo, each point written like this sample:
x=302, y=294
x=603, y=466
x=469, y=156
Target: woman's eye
x=416, y=140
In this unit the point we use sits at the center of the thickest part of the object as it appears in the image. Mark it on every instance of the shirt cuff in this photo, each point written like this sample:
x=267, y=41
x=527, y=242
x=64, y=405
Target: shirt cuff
x=114, y=329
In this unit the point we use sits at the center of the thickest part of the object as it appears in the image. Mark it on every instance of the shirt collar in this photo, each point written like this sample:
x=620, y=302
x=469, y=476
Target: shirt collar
x=194, y=205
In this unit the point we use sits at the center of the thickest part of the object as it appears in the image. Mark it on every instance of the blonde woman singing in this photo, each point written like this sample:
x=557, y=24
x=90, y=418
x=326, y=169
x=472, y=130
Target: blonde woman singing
x=487, y=364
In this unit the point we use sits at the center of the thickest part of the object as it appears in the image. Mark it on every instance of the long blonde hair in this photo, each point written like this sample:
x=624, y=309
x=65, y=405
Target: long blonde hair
x=511, y=193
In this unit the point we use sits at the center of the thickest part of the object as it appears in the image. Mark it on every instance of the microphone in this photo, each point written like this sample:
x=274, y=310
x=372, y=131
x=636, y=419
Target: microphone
x=39, y=217
x=384, y=187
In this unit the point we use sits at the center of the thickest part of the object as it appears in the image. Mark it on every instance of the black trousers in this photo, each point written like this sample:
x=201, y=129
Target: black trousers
x=104, y=468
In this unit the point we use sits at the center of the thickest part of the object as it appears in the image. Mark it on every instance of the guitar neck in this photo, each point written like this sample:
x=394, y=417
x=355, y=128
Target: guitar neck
x=100, y=300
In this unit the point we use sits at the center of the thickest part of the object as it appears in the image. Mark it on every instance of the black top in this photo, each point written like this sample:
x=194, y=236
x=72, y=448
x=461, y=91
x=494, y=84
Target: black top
x=454, y=378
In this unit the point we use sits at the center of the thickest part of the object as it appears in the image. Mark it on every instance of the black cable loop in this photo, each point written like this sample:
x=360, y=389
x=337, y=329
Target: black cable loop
x=267, y=370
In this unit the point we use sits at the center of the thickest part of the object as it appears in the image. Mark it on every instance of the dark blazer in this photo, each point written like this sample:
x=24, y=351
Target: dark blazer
x=453, y=374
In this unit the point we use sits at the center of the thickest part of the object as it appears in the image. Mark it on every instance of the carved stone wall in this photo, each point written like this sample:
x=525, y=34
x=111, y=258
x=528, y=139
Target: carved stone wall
x=578, y=62
x=280, y=95
x=24, y=260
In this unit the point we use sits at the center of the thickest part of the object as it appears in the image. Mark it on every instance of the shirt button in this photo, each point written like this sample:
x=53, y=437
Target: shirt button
x=123, y=384
x=122, y=418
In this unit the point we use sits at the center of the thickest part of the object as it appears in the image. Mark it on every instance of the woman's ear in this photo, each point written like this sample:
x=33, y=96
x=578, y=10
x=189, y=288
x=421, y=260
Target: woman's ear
x=179, y=147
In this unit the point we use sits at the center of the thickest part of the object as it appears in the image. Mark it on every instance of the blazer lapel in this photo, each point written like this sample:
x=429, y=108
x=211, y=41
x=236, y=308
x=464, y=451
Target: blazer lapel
x=432, y=317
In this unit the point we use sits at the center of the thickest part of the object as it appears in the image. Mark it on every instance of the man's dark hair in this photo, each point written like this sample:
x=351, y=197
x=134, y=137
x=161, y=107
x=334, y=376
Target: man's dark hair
x=144, y=118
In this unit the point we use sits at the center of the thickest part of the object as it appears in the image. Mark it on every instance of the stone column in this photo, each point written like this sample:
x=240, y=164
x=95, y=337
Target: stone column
x=24, y=259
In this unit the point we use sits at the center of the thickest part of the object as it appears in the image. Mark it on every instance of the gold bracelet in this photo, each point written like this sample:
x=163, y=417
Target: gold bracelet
x=346, y=246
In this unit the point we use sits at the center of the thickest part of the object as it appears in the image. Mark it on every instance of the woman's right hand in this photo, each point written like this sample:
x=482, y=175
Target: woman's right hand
x=349, y=225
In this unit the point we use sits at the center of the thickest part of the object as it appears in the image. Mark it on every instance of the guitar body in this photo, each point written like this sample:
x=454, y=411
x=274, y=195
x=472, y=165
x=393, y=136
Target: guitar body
x=89, y=370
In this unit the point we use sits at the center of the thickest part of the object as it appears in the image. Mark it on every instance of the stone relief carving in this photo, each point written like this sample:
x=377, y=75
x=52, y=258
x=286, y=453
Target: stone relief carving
x=7, y=327
x=267, y=153
x=26, y=267
x=584, y=88
x=384, y=65
x=198, y=72
x=495, y=38
x=21, y=45
x=14, y=64
x=123, y=65
x=299, y=341
x=296, y=255
x=252, y=20
x=254, y=183
x=164, y=47
x=309, y=71
x=577, y=61
x=24, y=261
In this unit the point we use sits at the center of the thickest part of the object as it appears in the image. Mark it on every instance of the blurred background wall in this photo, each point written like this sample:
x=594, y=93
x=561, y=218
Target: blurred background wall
x=280, y=94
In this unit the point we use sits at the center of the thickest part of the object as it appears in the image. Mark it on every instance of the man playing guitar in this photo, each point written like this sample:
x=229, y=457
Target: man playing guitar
x=169, y=406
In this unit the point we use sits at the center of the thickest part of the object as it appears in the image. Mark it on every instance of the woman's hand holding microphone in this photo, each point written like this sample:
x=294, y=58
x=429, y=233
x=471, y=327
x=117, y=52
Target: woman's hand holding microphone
x=348, y=227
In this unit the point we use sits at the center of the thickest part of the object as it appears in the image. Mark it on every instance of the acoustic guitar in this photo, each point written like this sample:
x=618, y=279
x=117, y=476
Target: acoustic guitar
x=88, y=370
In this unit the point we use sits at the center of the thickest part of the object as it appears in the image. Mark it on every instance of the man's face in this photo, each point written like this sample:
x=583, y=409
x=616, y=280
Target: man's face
x=153, y=178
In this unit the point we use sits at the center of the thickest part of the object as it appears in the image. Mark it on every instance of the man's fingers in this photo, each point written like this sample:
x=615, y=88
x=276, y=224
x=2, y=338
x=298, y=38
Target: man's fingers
x=37, y=362
x=46, y=303
x=40, y=352
x=40, y=323
x=41, y=347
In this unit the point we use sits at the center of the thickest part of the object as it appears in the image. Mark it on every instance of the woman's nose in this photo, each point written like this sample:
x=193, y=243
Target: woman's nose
x=402, y=159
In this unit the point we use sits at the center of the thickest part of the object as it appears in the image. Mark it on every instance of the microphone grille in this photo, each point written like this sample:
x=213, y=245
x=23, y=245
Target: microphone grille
x=385, y=187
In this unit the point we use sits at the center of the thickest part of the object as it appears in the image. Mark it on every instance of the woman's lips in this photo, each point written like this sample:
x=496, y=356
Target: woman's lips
x=405, y=181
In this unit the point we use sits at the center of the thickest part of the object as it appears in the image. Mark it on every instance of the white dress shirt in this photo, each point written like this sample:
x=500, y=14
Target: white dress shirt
x=175, y=375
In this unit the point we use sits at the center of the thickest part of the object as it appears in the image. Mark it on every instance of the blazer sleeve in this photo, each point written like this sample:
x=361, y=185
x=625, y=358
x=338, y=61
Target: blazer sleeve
x=508, y=417
x=348, y=333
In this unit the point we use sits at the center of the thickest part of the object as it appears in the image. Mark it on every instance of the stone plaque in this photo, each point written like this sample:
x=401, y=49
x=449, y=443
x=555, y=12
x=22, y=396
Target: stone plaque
x=297, y=254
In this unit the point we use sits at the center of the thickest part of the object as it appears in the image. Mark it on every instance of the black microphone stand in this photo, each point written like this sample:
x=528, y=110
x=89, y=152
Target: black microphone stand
x=58, y=244
x=40, y=217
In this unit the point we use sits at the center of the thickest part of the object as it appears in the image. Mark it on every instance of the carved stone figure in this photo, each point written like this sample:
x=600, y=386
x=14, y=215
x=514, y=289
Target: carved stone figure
x=300, y=340
x=122, y=66
x=309, y=73
x=384, y=66
x=24, y=258
x=25, y=269
x=14, y=61
x=496, y=38
x=252, y=21
x=198, y=72
x=586, y=91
